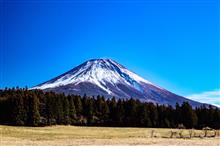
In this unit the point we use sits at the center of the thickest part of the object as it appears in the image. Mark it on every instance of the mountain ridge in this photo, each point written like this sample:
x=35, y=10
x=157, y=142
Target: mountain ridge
x=108, y=78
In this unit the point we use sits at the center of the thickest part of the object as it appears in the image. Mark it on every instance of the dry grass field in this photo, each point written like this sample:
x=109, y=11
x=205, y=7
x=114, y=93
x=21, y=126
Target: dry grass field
x=72, y=135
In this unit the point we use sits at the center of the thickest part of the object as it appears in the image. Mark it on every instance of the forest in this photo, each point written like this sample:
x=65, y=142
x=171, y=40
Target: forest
x=23, y=107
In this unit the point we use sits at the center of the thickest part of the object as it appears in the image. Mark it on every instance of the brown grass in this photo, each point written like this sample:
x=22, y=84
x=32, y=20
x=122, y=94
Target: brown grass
x=72, y=135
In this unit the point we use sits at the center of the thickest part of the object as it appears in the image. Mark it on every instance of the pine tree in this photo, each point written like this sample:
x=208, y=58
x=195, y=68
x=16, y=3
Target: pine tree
x=59, y=109
x=130, y=112
x=88, y=110
x=177, y=115
x=102, y=109
x=105, y=111
x=72, y=110
x=20, y=114
x=120, y=112
x=153, y=114
x=49, y=109
x=143, y=116
x=190, y=118
x=34, y=116
x=216, y=119
x=112, y=109
x=78, y=105
x=66, y=112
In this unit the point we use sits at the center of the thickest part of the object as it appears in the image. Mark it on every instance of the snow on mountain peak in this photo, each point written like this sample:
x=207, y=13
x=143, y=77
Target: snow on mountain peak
x=98, y=72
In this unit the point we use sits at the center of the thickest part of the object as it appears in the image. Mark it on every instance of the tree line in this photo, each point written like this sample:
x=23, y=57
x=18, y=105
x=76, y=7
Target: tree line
x=23, y=107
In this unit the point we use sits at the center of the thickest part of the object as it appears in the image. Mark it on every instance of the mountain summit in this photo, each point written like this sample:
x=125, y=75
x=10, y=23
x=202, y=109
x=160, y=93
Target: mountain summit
x=108, y=78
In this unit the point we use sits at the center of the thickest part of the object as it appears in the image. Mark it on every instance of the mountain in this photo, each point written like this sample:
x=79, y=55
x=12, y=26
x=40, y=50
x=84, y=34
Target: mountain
x=108, y=78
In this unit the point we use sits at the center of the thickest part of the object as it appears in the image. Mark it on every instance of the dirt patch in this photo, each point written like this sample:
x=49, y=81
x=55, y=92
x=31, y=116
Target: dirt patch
x=8, y=141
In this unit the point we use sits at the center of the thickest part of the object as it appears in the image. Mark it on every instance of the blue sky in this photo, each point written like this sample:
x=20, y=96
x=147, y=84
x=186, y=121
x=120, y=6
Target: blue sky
x=174, y=44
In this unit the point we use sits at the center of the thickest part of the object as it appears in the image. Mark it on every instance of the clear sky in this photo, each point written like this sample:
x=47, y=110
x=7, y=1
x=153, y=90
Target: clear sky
x=175, y=44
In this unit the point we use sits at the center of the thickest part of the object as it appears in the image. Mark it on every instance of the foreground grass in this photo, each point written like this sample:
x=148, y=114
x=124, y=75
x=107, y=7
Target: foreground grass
x=76, y=135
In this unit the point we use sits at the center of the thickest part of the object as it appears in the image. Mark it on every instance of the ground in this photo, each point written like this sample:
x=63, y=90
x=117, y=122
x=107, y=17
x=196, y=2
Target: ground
x=76, y=135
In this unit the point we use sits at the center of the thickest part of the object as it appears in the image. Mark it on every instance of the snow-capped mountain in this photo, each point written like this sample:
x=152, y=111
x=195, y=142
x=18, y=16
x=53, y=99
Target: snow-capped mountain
x=108, y=78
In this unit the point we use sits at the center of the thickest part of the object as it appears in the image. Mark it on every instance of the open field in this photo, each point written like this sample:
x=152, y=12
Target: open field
x=72, y=135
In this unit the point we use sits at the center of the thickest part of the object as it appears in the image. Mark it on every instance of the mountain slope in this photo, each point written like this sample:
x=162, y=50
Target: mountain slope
x=108, y=78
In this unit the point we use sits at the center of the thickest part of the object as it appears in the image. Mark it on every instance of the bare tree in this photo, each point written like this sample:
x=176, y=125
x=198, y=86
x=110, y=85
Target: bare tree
x=191, y=132
x=206, y=129
x=172, y=133
x=152, y=133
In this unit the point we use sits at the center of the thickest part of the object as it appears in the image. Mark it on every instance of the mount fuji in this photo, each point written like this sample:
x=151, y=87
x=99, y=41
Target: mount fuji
x=108, y=78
